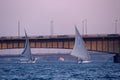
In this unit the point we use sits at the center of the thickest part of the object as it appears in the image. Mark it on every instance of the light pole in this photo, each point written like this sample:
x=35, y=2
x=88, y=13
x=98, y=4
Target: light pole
x=51, y=28
x=83, y=27
x=116, y=22
x=86, y=26
x=18, y=28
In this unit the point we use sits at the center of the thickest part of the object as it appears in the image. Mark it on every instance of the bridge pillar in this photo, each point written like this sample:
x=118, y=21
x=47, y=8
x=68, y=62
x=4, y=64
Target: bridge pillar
x=107, y=46
x=117, y=58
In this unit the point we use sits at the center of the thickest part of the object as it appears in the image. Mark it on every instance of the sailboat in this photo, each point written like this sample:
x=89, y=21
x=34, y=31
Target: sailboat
x=24, y=57
x=27, y=52
x=79, y=49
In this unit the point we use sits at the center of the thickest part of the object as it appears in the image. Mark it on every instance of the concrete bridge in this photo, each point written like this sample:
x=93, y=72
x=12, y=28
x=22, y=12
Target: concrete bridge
x=104, y=43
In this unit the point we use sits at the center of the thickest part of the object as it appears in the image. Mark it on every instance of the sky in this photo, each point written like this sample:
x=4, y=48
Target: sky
x=36, y=15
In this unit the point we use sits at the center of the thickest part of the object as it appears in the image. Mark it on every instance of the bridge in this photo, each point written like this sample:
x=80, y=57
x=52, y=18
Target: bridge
x=104, y=43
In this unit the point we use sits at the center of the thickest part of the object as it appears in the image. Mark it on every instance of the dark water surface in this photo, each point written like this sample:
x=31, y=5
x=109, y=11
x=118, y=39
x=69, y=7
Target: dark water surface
x=62, y=71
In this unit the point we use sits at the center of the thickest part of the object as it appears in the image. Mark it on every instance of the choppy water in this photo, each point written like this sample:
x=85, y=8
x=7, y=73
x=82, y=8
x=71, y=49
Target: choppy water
x=101, y=68
x=56, y=71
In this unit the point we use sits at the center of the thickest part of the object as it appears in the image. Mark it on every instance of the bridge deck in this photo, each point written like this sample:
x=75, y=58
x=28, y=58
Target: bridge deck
x=103, y=43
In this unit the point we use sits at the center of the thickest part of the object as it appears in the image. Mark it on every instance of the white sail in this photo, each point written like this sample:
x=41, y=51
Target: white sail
x=27, y=51
x=79, y=49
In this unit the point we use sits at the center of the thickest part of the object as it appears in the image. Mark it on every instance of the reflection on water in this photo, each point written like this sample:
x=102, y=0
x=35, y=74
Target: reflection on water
x=56, y=71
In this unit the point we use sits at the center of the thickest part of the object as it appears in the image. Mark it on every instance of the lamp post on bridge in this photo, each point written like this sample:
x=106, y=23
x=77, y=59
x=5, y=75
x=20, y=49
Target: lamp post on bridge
x=18, y=28
x=84, y=25
x=52, y=28
x=116, y=21
x=116, y=25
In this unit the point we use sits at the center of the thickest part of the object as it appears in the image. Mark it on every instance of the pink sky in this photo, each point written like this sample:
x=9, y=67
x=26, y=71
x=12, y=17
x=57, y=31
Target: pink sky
x=35, y=16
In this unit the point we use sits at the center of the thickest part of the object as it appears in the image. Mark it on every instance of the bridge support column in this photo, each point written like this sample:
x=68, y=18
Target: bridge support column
x=63, y=44
x=107, y=45
x=117, y=58
x=91, y=45
x=96, y=45
x=68, y=44
x=102, y=45
x=119, y=45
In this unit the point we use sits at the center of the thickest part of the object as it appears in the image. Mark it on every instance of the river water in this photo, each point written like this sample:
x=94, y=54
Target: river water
x=101, y=68
x=60, y=71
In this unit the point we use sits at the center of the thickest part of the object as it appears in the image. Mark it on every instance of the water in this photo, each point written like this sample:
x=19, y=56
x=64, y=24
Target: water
x=56, y=71
x=101, y=68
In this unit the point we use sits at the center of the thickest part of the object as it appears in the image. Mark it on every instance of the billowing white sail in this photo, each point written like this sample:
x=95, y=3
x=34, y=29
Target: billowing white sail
x=27, y=51
x=79, y=49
